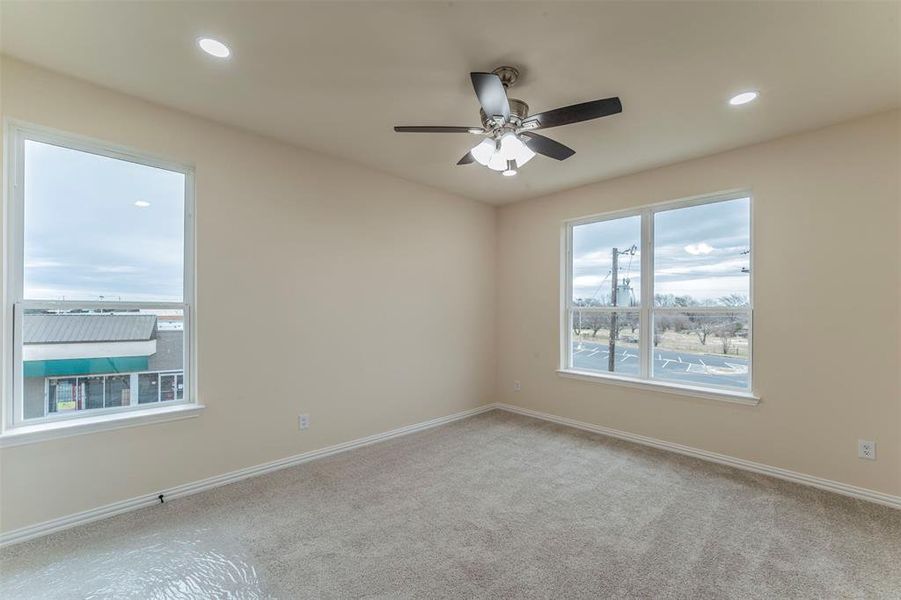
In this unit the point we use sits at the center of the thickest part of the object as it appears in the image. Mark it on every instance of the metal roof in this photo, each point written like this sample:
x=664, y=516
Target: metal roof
x=68, y=328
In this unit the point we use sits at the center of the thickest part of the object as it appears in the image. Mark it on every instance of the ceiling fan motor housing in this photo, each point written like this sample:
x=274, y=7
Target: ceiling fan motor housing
x=519, y=110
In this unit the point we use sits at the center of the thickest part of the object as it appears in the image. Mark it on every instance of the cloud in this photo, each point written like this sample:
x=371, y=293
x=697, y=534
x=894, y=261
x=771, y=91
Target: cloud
x=118, y=250
x=706, y=289
x=696, y=249
x=709, y=269
x=44, y=264
x=588, y=281
x=117, y=269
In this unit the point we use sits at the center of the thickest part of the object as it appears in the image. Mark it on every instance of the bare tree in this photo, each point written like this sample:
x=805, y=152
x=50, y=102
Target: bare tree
x=595, y=322
x=734, y=300
x=703, y=328
x=726, y=339
x=673, y=301
x=732, y=322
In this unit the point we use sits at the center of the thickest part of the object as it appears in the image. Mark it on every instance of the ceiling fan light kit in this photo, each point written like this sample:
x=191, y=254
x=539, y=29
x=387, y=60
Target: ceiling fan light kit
x=510, y=141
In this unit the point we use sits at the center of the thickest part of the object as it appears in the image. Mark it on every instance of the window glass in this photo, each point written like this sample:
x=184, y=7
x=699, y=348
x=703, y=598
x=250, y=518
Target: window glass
x=62, y=395
x=100, y=358
x=594, y=350
x=702, y=254
x=118, y=390
x=99, y=228
x=604, y=252
x=148, y=388
x=167, y=387
x=91, y=391
x=706, y=349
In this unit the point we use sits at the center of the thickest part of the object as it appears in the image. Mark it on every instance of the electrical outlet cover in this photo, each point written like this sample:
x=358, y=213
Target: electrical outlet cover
x=866, y=449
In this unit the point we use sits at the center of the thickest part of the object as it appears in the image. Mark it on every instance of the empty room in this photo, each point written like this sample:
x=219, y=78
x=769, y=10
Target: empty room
x=486, y=299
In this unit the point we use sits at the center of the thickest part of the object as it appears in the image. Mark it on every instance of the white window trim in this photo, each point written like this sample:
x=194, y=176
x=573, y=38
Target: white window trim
x=14, y=429
x=644, y=381
x=667, y=387
x=29, y=434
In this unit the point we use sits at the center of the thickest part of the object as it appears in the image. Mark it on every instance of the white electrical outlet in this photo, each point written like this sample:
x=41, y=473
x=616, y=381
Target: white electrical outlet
x=516, y=386
x=866, y=449
x=303, y=422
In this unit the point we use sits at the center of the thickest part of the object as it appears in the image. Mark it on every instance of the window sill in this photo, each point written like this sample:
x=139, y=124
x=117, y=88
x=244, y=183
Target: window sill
x=30, y=434
x=746, y=398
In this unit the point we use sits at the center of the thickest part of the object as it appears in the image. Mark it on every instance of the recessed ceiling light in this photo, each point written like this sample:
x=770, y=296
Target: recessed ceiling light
x=214, y=47
x=743, y=98
x=142, y=203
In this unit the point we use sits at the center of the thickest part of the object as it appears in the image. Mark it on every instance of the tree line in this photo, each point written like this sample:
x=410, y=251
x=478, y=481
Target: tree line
x=725, y=327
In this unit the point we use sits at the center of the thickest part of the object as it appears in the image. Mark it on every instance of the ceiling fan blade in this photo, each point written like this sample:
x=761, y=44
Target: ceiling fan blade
x=574, y=114
x=492, y=95
x=437, y=129
x=467, y=159
x=547, y=146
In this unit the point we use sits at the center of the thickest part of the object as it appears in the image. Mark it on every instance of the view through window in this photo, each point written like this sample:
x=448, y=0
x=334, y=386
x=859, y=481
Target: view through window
x=696, y=300
x=101, y=311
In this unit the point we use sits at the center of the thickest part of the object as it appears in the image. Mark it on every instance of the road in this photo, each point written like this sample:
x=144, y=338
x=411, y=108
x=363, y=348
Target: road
x=669, y=365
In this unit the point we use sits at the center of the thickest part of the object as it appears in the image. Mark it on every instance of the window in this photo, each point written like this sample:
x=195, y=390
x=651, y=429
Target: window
x=100, y=279
x=662, y=294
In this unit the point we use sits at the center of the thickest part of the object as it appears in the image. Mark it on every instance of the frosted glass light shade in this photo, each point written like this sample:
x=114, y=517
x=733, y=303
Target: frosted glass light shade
x=497, y=162
x=513, y=148
x=483, y=151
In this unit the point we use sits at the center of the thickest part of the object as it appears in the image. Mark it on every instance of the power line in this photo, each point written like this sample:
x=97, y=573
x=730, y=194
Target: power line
x=597, y=291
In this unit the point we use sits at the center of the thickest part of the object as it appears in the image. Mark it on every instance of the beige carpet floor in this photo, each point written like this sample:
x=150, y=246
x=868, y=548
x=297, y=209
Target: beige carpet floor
x=496, y=506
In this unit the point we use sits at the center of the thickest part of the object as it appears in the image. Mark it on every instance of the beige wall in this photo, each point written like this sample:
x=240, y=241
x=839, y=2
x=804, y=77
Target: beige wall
x=826, y=220
x=320, y=286
x=318, y=281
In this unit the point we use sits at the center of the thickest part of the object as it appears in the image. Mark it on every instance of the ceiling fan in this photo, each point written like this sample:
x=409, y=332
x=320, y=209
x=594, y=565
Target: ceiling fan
x=510, y=139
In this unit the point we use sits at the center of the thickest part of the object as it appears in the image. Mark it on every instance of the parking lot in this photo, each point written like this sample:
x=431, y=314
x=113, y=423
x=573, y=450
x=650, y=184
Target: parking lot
x=669, y=365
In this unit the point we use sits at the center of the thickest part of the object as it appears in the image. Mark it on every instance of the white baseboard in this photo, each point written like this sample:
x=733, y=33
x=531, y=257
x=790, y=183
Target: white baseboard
x=116, y=508
x=723, y=459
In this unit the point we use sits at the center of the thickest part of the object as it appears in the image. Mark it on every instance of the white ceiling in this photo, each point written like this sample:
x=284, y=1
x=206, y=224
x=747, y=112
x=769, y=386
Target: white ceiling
x=335, y=77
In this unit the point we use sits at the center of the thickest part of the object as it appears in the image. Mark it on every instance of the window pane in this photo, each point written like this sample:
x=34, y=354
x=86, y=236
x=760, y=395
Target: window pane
x=90, y=359
x=62, y=395
x=101, y=228
x=91, y=391
x=701, y=254
x=602, y=253
x=167, y=388
x=702, y=349
x=592, y=348
x=118, y=390
x=148, y=388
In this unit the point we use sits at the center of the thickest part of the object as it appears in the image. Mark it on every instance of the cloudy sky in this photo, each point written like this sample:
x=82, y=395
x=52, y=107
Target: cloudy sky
x=85, y=238
x=84, y=235
x=698, y=252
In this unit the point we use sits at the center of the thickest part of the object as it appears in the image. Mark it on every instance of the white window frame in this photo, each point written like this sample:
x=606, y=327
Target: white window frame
x=646, y=310
x=16, y=429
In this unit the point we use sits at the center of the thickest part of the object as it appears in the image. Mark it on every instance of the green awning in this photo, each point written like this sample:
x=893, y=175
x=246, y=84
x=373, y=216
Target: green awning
x=84, y=366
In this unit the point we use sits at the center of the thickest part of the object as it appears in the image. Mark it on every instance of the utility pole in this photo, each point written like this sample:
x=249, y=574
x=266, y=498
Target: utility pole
x=580, y=330
x=614, y=330
x=611, y=358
